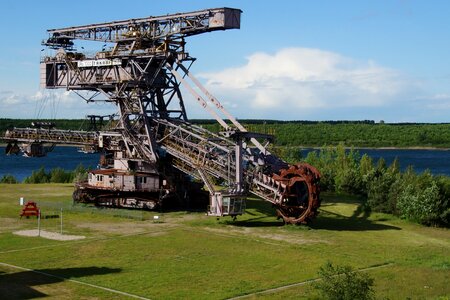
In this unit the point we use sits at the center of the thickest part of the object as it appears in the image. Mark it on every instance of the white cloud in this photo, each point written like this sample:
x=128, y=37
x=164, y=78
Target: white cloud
x=10, y=98
x=437, y=102
x=296, y=80
x=49, y=104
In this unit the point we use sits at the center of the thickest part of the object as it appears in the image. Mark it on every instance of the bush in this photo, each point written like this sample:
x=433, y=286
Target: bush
x=420, y=205
x=39, y=176
x=443, y=182
x=347, y=179
x=402, y=180
x=378, y=187
x=339, y=169
x=291, y=155
x=366, y=170
x=325, y=162
x=59, y=175
x=80, y=173
x=343, y=283
x=8, y=178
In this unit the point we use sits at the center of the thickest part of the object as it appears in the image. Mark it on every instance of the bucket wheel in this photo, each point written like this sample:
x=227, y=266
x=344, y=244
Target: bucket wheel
x=301, y=198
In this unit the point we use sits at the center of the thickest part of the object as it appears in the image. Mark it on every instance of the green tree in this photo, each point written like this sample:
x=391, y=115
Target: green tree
x=366, y=173
x=443, y=183
x=395, y=191
x=378, y=189
x=80, y=173
x=381, y=165
x=394, y=168
x=8, y=178
x=420, y=205
x=39, y=176
x=59, y=175
x=347, y=177
x=325, y=162
x=365, y=165
x=383, y=186
x=291, y=155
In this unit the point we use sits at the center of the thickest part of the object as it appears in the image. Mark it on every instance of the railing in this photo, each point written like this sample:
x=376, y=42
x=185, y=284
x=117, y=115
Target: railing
x=54, y=136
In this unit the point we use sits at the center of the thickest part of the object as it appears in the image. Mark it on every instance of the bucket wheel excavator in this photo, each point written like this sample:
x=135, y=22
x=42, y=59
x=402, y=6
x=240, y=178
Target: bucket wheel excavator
x=153, y=156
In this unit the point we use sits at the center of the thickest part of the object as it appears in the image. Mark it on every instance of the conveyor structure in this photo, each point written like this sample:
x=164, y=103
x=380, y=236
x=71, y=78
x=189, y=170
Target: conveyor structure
x=152, y=154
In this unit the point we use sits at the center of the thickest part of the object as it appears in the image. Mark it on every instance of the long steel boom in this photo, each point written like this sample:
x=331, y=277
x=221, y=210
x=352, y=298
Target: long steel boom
x=151, y=28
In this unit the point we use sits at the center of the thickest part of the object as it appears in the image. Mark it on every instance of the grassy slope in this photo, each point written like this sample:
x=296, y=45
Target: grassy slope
x=194, y=256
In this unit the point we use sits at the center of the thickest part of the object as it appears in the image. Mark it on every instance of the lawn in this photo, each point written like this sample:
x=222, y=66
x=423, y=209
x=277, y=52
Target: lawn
x=191, y=256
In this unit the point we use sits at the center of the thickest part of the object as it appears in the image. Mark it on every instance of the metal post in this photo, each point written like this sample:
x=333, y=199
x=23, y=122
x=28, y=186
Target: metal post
x=39, y=222
x=239, y=171
x=61, y=221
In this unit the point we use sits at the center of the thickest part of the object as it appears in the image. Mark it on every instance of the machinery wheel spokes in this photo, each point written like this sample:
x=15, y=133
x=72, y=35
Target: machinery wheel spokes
x=301, y=199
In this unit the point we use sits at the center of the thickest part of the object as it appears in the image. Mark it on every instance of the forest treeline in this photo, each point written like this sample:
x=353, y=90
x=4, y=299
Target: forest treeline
x=55, y=175
x=364, y=133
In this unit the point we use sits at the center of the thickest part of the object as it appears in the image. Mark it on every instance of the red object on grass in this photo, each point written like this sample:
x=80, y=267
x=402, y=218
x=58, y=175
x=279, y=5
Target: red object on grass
x=30, y=209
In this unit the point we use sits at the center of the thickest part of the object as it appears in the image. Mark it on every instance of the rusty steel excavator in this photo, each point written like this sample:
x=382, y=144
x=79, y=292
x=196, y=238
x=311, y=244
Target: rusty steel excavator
x=152, y=156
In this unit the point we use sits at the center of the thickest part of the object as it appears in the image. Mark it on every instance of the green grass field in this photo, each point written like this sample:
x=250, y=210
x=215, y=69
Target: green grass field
x=191, y=256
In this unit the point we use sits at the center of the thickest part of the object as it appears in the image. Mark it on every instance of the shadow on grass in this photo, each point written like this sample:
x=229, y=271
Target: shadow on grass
x=258, y=208
x=19, y=285
x=358, y=221
x=331, y=221
x=262, y=215
x=255, y=222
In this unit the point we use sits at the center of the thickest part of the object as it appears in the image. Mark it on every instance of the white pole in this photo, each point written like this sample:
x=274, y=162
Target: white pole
x=39, y=222
x=61, y=222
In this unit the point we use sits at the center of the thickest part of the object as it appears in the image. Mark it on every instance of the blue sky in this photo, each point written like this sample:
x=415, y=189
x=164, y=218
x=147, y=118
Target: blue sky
x=292, y=59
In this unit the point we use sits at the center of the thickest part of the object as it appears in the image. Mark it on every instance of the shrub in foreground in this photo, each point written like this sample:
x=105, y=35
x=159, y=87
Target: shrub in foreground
x=343, y=283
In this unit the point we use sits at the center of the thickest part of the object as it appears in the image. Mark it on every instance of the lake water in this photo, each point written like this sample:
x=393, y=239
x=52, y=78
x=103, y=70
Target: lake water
x=437, y=161
x=69, y=158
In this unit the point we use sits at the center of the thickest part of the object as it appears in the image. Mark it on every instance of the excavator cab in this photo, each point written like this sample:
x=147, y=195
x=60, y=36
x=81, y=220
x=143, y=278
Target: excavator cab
x=226, y=205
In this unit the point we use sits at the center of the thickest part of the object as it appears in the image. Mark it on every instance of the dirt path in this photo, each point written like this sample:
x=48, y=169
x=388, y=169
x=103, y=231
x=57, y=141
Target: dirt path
x=49, y=235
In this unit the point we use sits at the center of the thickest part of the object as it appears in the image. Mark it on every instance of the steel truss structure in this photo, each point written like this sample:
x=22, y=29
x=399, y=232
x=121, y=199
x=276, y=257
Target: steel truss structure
x=142, y=74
